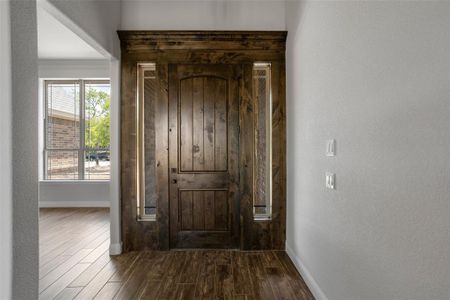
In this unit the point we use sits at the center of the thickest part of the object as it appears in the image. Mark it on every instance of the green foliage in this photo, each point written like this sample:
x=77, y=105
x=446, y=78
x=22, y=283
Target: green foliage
x=97, y=118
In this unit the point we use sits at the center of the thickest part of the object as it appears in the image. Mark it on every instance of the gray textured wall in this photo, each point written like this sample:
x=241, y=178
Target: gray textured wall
x=25, y=142
x=5, y=154
x=376, y=77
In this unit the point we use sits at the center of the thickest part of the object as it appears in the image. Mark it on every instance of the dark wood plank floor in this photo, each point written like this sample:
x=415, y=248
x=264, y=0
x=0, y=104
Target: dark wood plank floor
x=74, y=264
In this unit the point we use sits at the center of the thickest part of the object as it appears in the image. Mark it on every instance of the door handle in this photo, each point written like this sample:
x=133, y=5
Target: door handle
x=174, y=181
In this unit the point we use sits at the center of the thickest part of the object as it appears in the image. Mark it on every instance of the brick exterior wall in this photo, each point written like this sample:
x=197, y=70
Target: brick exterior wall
x=62, y=134
x=65, y=134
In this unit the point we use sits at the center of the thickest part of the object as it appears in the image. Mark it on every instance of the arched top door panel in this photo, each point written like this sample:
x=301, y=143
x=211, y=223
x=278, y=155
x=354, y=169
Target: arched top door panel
x=203, y=124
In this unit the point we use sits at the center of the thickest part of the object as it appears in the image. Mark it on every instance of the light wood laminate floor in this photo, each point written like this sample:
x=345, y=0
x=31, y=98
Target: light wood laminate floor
x=74, y=264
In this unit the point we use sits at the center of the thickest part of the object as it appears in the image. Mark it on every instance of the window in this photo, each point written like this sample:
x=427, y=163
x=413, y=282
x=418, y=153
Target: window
x=146, y=142
x=262, y=94
x=76, y=137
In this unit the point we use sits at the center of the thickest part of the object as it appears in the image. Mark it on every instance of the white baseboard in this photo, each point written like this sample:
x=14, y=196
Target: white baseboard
x=74, y=204
x=307, y=277
x=115, y=249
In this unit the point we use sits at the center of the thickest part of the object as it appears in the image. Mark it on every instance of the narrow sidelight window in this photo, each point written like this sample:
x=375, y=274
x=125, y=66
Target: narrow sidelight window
x=146, y=172
x=262, y=94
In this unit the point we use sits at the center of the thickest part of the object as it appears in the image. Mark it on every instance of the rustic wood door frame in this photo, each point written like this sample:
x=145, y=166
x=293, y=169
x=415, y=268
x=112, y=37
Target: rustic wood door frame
x=210, y=47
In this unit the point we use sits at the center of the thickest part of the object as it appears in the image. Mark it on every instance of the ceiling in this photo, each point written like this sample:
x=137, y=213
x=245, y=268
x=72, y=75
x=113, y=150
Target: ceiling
x=55, y=41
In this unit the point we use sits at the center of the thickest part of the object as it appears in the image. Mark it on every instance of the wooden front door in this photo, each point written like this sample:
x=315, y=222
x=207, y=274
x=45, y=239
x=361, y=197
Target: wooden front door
x=203, y=156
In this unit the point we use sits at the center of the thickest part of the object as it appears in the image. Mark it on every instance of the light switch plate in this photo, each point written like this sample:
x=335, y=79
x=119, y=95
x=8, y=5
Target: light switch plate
x=330, y=180
x=331, y=148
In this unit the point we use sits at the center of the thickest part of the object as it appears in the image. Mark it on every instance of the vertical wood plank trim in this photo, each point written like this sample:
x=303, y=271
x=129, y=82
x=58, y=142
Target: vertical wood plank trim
x=173, y=153
x=282, y=158
x=276, y=232
x=246, y=156
x=162, y=155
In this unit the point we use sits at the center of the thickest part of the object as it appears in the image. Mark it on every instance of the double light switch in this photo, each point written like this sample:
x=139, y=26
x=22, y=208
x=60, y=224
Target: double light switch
x=331, y=148
x=330, y=178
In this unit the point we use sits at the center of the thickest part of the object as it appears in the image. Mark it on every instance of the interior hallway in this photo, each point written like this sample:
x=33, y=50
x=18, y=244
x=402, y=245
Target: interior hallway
x=75, y=264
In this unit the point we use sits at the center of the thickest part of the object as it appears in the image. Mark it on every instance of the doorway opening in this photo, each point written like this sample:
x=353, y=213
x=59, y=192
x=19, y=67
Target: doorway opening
x=77, y=158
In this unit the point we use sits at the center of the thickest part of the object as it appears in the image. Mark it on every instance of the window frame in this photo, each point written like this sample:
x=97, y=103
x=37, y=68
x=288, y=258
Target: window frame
x=142, y=67
x=267, y=216
x=82, y=150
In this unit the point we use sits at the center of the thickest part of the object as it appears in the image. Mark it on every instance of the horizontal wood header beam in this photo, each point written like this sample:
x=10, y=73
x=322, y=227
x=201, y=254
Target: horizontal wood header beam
x=197, y=40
